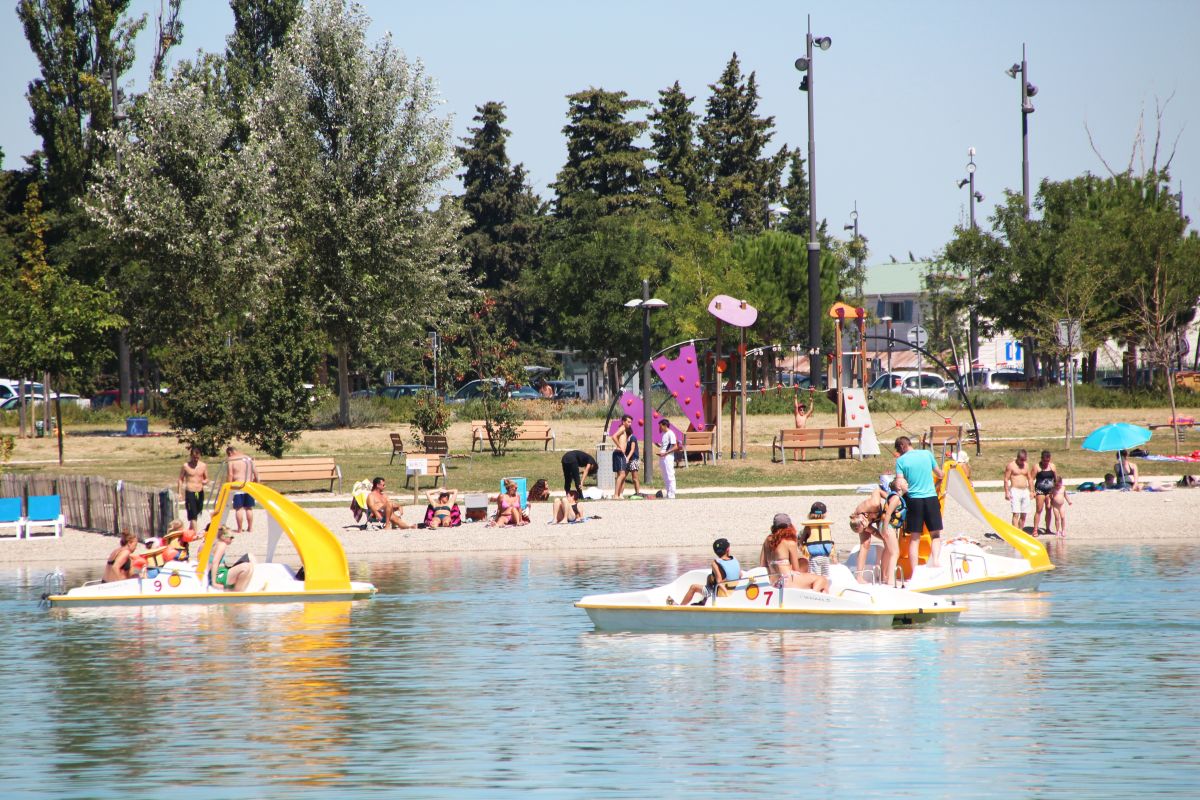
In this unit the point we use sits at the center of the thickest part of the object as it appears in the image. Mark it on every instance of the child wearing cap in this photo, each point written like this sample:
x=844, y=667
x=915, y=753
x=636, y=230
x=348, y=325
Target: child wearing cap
x=725, y=568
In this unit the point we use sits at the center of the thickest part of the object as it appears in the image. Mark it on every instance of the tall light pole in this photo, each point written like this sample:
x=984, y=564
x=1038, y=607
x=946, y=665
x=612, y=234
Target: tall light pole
x=1028, y=90
x=857, y=250
x=646, y=304
x=805, y=65
x=973, y=198
x=1021, y=71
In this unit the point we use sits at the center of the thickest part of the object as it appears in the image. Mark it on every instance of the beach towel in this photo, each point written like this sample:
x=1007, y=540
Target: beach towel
x=455, y=515
x=358, y=501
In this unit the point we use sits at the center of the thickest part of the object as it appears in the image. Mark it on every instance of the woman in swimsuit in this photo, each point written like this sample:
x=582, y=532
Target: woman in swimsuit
x=1043, y=487
x=230, y=578
x=781, y=556
x=120, y=561
x=508, y=510
x=443, y=502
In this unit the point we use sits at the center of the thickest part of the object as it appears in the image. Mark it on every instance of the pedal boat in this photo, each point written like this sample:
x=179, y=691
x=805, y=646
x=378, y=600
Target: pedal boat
x=755, y=603
x=324, y=574
x=968, y=567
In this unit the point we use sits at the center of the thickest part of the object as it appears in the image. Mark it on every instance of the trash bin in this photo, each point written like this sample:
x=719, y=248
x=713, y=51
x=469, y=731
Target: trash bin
x=137, y=426
x=39, y=428
x=606, y=482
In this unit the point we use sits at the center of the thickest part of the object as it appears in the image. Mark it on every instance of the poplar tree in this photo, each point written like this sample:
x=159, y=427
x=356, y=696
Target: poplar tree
x=741, y=181
x=359, y=155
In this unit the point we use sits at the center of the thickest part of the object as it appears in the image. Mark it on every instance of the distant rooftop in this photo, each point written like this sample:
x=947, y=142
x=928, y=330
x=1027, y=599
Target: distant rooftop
x=903, y=277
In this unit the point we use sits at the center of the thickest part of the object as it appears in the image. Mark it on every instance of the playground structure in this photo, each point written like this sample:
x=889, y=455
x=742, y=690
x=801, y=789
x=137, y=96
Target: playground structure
x=700, y=384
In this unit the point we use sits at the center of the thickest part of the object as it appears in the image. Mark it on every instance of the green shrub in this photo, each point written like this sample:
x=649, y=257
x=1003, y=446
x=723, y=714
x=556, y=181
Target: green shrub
x=430, y=417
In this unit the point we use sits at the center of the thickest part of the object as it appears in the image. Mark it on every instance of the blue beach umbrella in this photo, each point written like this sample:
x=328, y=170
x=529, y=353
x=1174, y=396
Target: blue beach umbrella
x=1117, y=436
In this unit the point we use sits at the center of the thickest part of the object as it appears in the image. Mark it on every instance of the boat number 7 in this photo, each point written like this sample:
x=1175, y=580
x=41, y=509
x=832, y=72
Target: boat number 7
x=767, y=593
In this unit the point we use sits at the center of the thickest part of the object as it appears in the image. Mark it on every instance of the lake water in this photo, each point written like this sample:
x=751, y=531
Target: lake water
x=1089, y=688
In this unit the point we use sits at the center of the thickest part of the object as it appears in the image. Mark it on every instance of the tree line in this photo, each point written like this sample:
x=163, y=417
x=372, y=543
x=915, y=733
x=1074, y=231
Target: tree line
x=294, y=211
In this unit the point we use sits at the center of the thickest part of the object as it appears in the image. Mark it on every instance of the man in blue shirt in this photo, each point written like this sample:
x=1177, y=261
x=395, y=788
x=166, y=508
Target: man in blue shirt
x=919, y=468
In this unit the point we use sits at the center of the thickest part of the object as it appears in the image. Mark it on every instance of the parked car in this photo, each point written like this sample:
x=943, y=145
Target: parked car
x=112, y=397
x=988, y=380
x=403, y=390
x=565, y=390
x=525, y=393
x=11, y=403
x=475, y=389
x=911, y=382
x=8, y=388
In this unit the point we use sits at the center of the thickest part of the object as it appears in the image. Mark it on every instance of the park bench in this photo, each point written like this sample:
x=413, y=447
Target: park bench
x=280, y=470
x=433, y=465
x=943, y=438
x=698, y=442
x=532, y=431
x=815, y=439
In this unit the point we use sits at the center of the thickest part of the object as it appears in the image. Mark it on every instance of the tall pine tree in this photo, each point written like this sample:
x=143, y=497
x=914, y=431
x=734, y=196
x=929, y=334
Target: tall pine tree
x=499, y=239
x=605, y=169
x=795, y=196
x=741, y=181
x=673, y=143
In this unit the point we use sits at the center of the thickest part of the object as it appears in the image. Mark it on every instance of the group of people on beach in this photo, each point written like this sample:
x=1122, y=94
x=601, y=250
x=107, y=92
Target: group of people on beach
x=1039, y=487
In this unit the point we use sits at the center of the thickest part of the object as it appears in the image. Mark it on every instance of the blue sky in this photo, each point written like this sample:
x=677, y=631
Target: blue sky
x=905, y=89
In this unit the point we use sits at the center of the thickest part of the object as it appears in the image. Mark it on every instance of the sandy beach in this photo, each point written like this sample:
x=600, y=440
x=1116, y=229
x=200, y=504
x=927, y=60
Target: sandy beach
x=686, y=525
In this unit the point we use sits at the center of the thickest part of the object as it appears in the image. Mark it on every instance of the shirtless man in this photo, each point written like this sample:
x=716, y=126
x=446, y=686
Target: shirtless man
x=240, y=468
x=1018, y=478
x=385, y=509
x=193, y=479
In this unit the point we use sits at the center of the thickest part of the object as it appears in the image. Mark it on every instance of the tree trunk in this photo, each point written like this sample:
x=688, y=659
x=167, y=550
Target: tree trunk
x=21, y=408
x=46, y=402
x=343, y=367
x=58, y=413
x=123, y=367
x=1089, y=367
x=1171, y=396
x=1030, y=363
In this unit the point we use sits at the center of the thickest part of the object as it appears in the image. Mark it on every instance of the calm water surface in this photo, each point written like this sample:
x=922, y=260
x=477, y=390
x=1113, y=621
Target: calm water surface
x=1089, y=688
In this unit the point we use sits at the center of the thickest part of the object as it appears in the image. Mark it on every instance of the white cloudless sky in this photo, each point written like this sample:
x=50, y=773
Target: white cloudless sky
x=905, y=89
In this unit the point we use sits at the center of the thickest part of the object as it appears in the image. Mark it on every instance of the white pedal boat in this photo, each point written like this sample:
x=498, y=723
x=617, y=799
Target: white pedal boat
x=755, y=604
x=325, y=572
x=967, y=566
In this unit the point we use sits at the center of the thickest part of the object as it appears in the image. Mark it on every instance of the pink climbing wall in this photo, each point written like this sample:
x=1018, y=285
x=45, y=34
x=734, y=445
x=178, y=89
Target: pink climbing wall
x=631, y=404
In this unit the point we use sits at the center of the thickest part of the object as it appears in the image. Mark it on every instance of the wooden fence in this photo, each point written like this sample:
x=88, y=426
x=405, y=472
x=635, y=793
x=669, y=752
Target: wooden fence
x=99, y=504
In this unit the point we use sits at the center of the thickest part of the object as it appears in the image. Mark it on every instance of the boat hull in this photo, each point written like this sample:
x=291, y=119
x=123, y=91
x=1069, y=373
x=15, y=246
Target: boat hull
x=756, y=604
x=968, y=569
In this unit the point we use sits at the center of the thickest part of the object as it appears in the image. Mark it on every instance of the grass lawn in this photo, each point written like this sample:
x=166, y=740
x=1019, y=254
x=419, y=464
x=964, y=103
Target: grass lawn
x=364, y=452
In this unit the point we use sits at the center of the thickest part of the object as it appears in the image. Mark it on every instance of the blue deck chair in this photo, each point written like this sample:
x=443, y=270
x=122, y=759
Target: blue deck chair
x=44, y=511
x=10, y=515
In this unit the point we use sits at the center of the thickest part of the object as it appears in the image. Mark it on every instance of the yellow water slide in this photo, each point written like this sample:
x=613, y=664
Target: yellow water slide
x=956, y=485
x=325, y=567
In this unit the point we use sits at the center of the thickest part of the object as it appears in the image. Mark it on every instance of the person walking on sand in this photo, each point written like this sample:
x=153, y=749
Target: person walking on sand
x=667, y=448
x=240, y=468
x=919, y=469
x=1018, y=478
x=193, y=479
x=1044, y=479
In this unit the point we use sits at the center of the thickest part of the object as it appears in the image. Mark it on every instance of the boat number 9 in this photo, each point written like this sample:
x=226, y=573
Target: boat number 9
x=158, y=586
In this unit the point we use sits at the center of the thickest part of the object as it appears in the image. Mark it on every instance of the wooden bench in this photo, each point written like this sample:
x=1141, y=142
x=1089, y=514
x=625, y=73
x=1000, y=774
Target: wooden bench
x=698, y=442
x=434, y=465
x=397, y=447
x=436, y=443
x=280, y=470
x=532, y=431
x=942, y=437
x=815, y=439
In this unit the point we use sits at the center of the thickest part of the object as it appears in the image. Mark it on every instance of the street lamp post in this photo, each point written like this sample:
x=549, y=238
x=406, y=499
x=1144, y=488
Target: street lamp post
x=1021, y=71
x=857, y=249
x=972, y=198
x=1028, y=90
x=805, y=65
x=646, y=304
x=888, y=321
